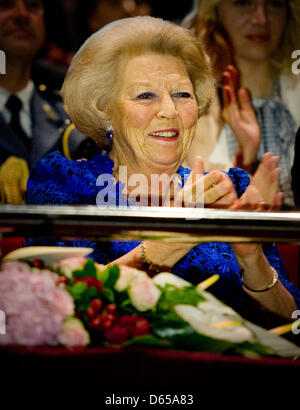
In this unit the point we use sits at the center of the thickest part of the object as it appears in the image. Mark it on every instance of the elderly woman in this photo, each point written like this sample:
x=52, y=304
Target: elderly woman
x=138, y=85
x=251, y=42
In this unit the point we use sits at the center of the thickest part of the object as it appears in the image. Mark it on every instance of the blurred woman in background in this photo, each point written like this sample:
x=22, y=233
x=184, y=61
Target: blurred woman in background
x=250, y=43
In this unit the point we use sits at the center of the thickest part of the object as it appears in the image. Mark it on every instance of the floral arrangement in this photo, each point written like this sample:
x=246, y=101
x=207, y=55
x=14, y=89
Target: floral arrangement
x=78, y=302
x=39, y=311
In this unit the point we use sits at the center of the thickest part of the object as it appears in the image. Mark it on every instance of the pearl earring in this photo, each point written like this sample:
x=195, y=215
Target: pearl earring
x=109, y=133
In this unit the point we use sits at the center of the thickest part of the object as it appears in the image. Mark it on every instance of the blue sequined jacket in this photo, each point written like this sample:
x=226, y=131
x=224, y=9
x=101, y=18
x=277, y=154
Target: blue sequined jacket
x=56, y=180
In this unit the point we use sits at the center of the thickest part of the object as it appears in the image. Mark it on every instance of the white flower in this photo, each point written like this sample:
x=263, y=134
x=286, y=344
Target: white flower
x=74, y=333
x=143, y=293
x=68, y=265
x=127, y=275
x=100, y=268
x=166, y=278
x=211, y=325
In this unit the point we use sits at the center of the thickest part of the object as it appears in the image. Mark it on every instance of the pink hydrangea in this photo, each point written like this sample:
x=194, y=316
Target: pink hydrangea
x=34, y=306
x=63, y=302
x=15, y=266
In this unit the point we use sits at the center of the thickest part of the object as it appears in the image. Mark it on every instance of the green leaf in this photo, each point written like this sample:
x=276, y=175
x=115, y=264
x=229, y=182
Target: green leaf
x=171, y=327
x=253, y=350
x=90, y=268
x=172, y=296
x=78, y=274
x=103, y=276
x=149, y=340
x=122, y=297
x=109, y=276
x=91, y=293
x=113, y=276
x=183, y=336
x=202, y=343
x=84, y=299
x=173, y=330
x=88, y=295
x=81, y=306
x=77, y=290
x=123, y=302
x=108, y=294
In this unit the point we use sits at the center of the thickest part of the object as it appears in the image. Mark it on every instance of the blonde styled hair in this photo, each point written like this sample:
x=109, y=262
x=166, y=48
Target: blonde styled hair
x=91, y=81
x=204, y=22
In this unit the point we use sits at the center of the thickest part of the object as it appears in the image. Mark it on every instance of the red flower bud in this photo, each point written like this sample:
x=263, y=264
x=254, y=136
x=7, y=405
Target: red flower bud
x=111, y=308
x=142, y=328
x=38, y=263
x=62, y=279
x=99, y=286
x=110, y=316
x=95, y=323
x=91, y=281
x=116, y=334
x=128, y=320
x=91, y=313
x=106, y=324
x=96, y=305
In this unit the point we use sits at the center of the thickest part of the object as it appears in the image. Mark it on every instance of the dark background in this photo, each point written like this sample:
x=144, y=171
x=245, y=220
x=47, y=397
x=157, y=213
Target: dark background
x=65, y=28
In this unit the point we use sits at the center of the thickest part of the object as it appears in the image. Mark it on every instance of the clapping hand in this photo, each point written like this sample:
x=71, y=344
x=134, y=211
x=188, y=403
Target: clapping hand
x=240, y=115
x=262, y=194
x=214, y=189
x=263, y=191
x=266, y=180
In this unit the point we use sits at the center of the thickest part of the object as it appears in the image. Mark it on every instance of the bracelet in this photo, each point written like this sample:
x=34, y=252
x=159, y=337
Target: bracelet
x=147, y=264
x=275, y=280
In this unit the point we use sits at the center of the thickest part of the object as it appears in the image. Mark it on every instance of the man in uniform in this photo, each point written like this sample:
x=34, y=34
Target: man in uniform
x=32, y=118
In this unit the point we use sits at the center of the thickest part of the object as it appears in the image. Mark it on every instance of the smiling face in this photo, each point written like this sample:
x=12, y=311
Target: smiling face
x=155, y=113
x=22, y=29
x=255, y=27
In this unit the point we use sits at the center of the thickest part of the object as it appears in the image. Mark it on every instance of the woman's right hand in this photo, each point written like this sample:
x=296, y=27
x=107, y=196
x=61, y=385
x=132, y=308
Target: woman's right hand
x=238, y=112
x=214, y=189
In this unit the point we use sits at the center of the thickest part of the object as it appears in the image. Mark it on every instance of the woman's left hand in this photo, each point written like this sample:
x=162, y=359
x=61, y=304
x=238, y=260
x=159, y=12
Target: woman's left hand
x=250, y=200
x=266, y=180
x=261, y=195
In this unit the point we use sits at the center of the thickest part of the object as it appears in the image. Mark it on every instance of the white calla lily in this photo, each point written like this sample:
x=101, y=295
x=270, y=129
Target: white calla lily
x=166, y=278
x=206, y=325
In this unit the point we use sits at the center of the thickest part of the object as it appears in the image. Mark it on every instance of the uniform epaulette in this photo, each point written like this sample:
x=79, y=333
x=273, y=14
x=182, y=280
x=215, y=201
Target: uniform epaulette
x=48, y=92
x=67, y=129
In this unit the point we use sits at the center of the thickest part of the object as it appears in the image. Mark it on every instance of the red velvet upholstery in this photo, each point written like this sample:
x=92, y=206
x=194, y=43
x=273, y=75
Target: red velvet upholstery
x=290, y=255
x=10, y=244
